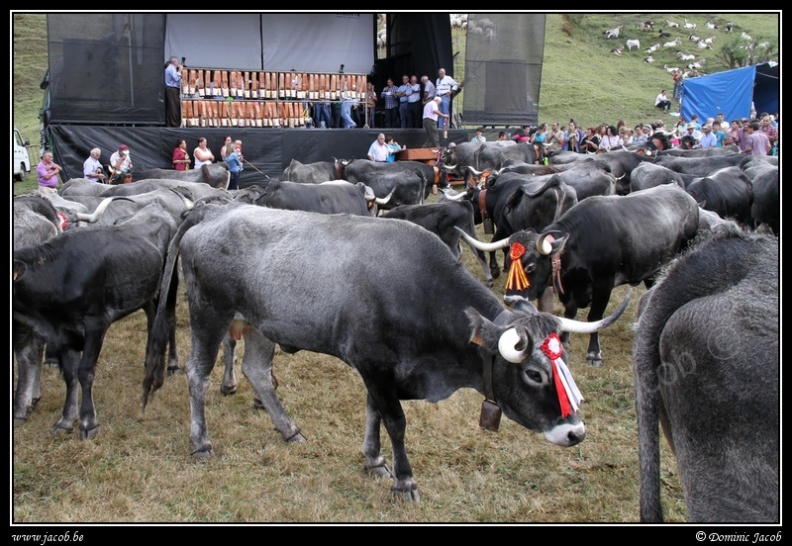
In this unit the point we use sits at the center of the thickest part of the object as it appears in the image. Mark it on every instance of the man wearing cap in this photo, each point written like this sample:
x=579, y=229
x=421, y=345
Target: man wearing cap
x=430, y=114
x=708, y=138
x=120, y=161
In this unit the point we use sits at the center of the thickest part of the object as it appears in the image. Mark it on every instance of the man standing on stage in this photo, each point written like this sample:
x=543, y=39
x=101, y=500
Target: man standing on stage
x=173, y=78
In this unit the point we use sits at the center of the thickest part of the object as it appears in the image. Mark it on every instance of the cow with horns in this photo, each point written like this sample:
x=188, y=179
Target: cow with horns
x=451, y=332
x=601, y=243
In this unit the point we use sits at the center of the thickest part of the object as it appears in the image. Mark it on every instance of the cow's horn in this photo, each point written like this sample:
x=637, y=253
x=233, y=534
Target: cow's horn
x=507, y=346
x=486, y=247
x=580, y=327
x=455, y=197
x=99, y=211
x=384, y=200
x=450, y=167
x=474, y=171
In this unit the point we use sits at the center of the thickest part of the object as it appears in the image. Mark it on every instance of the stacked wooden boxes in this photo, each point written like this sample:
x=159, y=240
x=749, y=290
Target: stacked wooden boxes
x=235, y=98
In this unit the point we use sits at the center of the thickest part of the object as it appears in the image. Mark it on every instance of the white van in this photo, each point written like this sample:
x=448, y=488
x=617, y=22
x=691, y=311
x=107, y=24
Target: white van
x=21, y=157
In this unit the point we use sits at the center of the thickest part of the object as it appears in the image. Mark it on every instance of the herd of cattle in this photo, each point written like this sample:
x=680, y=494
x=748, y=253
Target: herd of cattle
x=699, y=228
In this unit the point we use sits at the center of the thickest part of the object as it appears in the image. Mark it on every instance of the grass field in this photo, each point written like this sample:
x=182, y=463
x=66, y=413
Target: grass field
x=139, y=470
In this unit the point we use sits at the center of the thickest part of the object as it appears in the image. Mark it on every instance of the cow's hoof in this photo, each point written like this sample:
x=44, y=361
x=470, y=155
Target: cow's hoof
x=228, y=390
x=61, y=429
x=378, y=469
x=595, y=359
x=19, y=420
x=173, y=370
x=90, y=433
x=295, y=437
x=406, y=490
x=258, y=405
x=202, y=454
x=51, y=362
x=495, y=273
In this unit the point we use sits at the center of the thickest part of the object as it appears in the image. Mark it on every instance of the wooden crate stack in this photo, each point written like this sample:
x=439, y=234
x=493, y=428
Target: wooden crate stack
x=238, y=98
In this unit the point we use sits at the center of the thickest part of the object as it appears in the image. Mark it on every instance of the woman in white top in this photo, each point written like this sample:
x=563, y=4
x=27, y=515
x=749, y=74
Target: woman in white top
x=202, y=154
x=611, y=140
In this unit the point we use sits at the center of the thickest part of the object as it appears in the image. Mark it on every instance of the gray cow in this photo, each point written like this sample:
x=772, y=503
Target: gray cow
x=414, y=322
x=706, y=363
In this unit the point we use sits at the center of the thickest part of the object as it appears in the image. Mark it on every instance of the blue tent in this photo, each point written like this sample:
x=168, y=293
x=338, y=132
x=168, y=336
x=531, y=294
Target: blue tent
x=731, y=92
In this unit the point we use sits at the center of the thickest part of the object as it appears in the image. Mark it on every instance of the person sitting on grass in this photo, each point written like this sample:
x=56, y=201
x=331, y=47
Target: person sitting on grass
x=662, y=102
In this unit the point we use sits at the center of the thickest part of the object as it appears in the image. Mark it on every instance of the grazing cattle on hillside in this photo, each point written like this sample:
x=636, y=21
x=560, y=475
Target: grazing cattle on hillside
x=601, y=243
x=69, y=289
x=332, y=197
x=441, y=218
x=706, y=363
x=417, y=325
x=215, y=175
x=312, y=173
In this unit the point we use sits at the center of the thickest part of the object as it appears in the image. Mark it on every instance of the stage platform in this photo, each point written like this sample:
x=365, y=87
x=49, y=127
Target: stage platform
x=267, y=151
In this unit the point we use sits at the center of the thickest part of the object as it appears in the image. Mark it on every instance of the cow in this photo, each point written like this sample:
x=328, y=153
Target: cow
x=648, y=175
x=512, y=202
x=601, y=243
x=364, y=170
x=766, y=207
x=701, y=152
x=621, y=163
x=489, y=156
x=440, y=218
x=706, y=366
x=313, y=173
x=215, y=175
x=35, y=220
x=726, y=192
x=416, y=324
x=406, y=187
x=701, y=166
x=332, y=197
x=69, y=289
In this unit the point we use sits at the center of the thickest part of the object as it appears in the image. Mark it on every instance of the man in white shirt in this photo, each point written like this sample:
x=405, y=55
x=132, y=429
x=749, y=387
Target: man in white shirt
x=445, y=85
x=92, y=168
x=378, y=151
x=120, y=161
x=430, y=114
x=708, y=138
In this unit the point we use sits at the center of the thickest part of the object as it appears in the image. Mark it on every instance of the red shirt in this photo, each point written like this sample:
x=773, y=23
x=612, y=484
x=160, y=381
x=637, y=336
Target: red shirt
x=179, y=155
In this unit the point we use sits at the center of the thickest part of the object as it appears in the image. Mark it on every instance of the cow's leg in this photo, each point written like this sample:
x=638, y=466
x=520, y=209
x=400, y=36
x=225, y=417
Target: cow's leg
x=600, y=295
x=86, y=372
x=229, y=385
x=383, y=393
x=69, y=360
x=208, y=325
x=28, y=389
x=570, y=312
x=257, y=367
x=374, y=463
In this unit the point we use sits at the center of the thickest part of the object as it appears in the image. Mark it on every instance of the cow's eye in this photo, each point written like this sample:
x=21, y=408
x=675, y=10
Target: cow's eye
x=530, y=267
x=533, y=376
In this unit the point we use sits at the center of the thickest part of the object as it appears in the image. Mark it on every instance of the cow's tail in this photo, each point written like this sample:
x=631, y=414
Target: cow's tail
x=157, y=345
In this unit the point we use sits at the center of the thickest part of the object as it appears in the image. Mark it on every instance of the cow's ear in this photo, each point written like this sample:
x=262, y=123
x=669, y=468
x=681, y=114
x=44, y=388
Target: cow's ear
x=19, y=270
x=482, y=332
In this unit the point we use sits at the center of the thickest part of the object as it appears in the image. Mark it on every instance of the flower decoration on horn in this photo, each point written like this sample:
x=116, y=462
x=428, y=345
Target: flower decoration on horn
x=569, y=396
x=517, y=281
